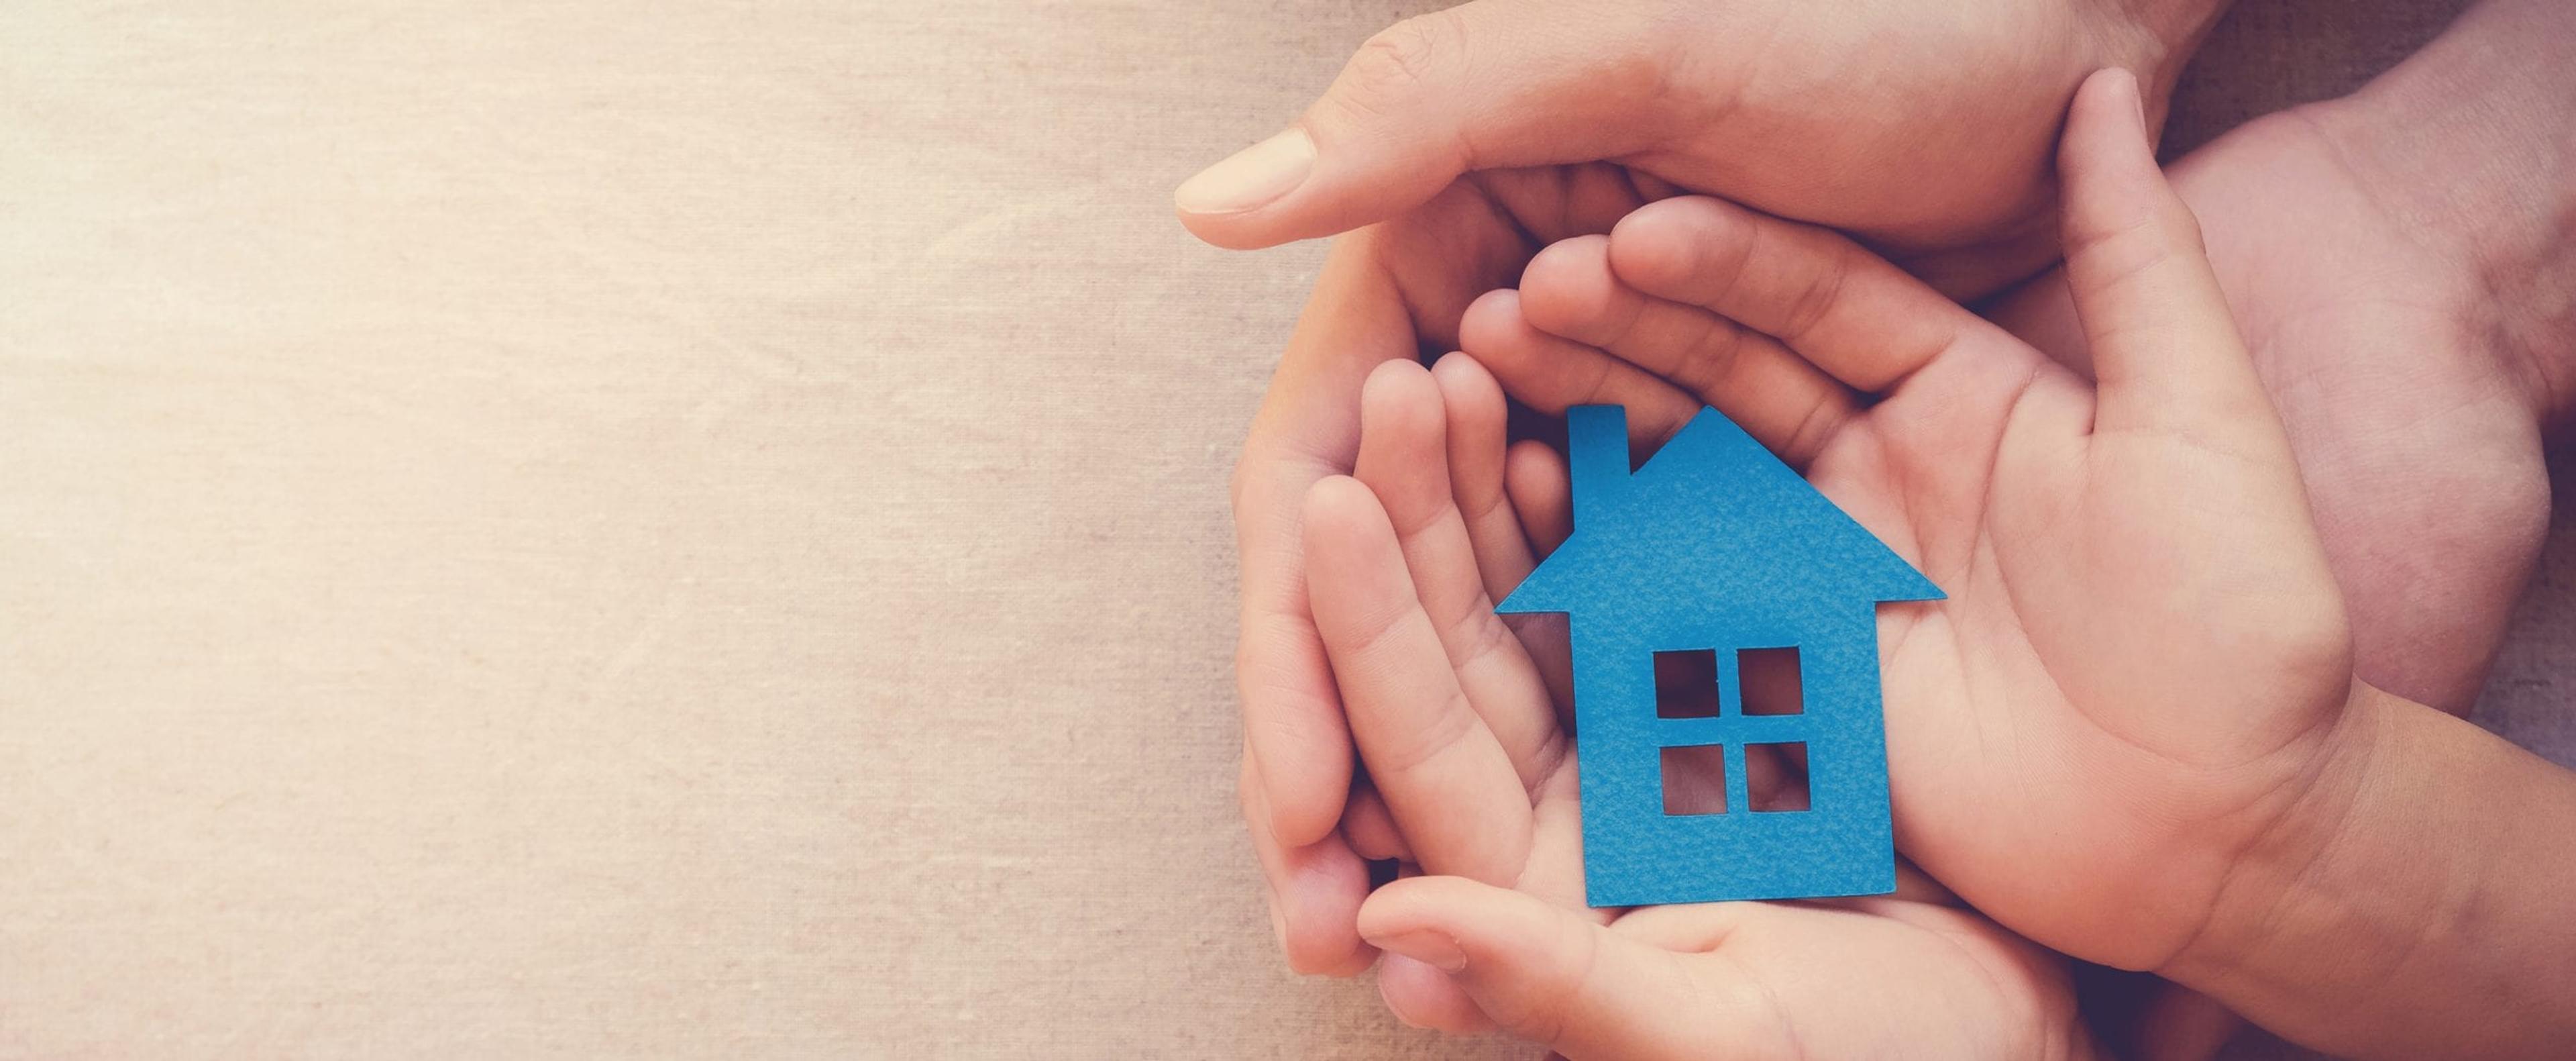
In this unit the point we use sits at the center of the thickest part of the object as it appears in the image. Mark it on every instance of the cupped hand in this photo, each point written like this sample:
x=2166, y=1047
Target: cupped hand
x=1462, y=740
x=1467, y=139
x=2141, y=667
x=1924, y=127
x=2371, y=325
x=1386, y=293
x=2375, y=327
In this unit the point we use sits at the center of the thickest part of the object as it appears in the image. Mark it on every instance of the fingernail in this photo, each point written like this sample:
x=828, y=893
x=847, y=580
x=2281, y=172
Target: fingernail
x=2138, y=101
x=1430, y=948
x=1254, y=177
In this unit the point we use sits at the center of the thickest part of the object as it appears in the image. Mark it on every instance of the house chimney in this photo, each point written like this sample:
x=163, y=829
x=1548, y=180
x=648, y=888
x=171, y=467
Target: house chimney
x=1596, y=440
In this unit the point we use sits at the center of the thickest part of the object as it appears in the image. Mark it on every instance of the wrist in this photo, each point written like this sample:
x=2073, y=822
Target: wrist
x=2470, y=146
x=2272, y=878
x=2409, y=904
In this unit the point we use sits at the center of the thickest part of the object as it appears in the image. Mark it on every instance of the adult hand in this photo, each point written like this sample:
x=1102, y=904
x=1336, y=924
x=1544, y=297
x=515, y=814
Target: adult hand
x=1473, y=136
x=1925, y=128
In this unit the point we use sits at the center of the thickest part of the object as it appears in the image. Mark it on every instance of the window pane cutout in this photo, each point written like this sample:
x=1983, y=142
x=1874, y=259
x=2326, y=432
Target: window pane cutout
x=1686, y=684
x=1773, y=772
x=1703, y=765
x=1769, y=681
x=1696, y=779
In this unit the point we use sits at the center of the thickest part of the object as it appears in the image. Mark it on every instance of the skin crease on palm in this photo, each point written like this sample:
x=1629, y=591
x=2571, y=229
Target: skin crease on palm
x=2117, y=570
x=1462, y=142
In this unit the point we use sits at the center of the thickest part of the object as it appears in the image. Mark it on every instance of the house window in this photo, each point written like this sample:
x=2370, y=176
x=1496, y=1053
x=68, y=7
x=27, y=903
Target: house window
x=1776, y=775
x=1694, y=778
x=1769, y=680
x=1686, y=684
x=1721, y=758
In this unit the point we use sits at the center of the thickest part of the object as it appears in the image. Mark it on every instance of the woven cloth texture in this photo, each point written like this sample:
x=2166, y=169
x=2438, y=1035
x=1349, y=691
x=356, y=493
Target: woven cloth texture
x=590, y=529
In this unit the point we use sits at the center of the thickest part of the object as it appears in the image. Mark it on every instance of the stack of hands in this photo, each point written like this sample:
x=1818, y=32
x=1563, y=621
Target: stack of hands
x=2229, y=528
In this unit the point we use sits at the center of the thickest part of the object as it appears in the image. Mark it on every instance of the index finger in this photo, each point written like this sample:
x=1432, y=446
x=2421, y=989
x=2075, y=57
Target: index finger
x=1449, y=782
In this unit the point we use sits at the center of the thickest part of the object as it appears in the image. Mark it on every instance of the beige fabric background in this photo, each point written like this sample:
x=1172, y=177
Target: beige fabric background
x=596, y=529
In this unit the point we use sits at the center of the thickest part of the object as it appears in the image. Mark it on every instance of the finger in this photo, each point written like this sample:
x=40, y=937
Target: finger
x=1479, y=461
x=1404, y=460
x=1915, y=886
x=1778, y=397
x=1555, y=873
x=1543, y=504
x=1860, y=319
x=2165, y=351
x=1551, y=203
x=1553, y=374
x=1425, y=997
x=1491, y=83
x=1542, y=494
x=1452, y=789
x=1314, y=892
x=1479, y=436
x=1559, y=978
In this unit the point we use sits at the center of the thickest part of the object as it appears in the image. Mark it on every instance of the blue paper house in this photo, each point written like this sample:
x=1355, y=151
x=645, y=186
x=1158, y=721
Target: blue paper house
x=1717, y=549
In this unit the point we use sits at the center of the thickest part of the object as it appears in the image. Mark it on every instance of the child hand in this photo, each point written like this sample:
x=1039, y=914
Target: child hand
x=1475, y=776
x=2136, y=682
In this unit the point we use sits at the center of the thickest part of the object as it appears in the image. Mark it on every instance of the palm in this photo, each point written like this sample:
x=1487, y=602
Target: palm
x=2377, y=325
x=1942, y=980
x=1482, y=785
x=2073, y=720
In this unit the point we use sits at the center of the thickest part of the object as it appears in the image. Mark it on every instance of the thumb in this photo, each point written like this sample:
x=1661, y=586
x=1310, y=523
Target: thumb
x=1485, y=84
x=2165, y=350
x=1558, y=978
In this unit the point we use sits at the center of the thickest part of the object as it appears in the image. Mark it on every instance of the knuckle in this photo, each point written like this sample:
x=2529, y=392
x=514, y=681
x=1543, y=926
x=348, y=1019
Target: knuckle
x=2096, y=215
x=1821, y=421
x=2121, y=251
x=1396, y=62
x=1713, y=255
x=1710, y=359
x=2150, y=229
x=1816, y=300
x=1483, y=638
x=1402, y=750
